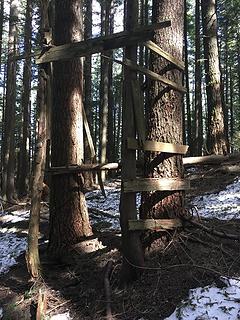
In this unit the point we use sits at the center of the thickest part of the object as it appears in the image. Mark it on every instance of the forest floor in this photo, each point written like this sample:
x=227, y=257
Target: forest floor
x=192, y=259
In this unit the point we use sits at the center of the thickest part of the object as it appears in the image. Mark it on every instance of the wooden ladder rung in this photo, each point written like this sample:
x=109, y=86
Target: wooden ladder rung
x=156, y=146
x=155, y=184
x=154, y=224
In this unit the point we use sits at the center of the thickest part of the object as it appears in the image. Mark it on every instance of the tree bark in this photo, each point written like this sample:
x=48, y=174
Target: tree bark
x=216, y=138
x=8, y=148
x=198, y=116
x=131, y=243
x=164, y=121
x=23, y=175
x=69, y=221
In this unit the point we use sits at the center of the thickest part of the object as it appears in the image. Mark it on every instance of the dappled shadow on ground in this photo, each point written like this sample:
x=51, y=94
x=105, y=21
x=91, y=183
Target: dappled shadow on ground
x=174, y=264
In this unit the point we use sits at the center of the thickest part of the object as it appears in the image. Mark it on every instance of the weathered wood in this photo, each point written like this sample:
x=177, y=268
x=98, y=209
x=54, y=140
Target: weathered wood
x=41, y=305
x=100, y=44
x=88, y=134
x=138, y=108
x=154, y=224
x=84, y=167
x=155, y=184
x=150, y=74
x=156, y=146
x=210, y=160
x=155, y=48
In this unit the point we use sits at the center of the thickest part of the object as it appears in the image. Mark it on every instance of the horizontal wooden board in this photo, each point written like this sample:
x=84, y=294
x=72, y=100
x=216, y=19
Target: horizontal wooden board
x=100, y=44
x=150, y=74
x=156, y=146
x=155, y=184
x=154, y=224
x=84, y=167
x=155, y=48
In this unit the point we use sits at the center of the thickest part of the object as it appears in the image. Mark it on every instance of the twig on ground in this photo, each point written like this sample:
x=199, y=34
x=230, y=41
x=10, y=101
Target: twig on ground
x=107, y=288
x=58, y=306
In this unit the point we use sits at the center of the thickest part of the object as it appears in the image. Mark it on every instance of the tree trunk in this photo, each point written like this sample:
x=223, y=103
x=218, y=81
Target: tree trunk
x=8, y=149
x=88, y=176
x=1, y=27
x=216, y=139
x=131, y=244
x=165, y=112
x=23, y=175
x=104, y=85
x=69, y=221
x=187, y=99
x=198, y=116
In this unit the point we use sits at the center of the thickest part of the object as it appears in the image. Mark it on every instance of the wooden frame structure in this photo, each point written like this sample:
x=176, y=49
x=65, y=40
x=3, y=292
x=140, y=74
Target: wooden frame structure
x=133, y=124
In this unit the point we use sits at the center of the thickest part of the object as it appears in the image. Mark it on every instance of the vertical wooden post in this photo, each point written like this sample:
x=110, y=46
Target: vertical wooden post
x=131, y=245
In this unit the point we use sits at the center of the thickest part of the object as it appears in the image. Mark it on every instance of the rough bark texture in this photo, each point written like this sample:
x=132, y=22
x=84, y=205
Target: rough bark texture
x=69, y=221
x=165, y=111
x=216, y=139
x=131, y=244
x=198, y=117
x=23, y=174
x=88, y=105
x=1, y=27
x=8, y=148
x=32, y=254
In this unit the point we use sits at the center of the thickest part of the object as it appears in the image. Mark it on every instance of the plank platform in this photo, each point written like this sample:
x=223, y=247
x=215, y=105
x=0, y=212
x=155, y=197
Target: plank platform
x=155, y=48
x=155, y=184
x=157, y=146
x=100, y=44
x=154, y=224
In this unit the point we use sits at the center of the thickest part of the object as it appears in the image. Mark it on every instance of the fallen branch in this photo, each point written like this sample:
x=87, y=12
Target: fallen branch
x=212, y=159
x=107, y=288
x=98, y=212
x=211, y=230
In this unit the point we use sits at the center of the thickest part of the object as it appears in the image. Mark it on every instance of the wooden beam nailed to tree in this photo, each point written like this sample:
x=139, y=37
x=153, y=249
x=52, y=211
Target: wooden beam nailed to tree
x=155, y=184
x=150, y=74
x=155, y=48
x=156, y=146
x=100, y=44
x=154, y=224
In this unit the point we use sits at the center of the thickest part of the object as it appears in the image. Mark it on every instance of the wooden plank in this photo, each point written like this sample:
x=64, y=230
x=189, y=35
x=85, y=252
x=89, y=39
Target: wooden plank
x=150, y=74
x=155, y=48
x=84, y=167
x=155, y=184
x=138, y=108
x=88, y=134
x=100, y=44
x=156, y=146
x=154, y=224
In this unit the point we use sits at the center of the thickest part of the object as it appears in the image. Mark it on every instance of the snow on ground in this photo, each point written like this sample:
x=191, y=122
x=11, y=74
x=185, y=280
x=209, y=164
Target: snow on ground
x=11, y=245
x=211, y=303
x=62, y=316
x=208, y=303
x=224, y=205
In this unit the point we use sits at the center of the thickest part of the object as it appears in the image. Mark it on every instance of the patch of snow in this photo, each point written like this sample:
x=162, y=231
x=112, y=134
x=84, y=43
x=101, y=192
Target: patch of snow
x=224, y=205
x=14, y=216
x=211, y=303
x=1, y=313
x=62, y=316
x=11, y=247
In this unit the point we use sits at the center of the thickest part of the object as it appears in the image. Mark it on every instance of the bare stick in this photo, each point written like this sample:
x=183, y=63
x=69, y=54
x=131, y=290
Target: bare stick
x=107, y=287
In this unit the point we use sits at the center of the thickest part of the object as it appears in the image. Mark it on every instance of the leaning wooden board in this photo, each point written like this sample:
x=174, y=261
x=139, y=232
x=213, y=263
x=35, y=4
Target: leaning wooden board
x=155, y=184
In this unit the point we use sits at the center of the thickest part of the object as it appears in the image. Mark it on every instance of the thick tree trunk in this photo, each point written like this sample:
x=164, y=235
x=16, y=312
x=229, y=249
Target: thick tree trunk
x=8, y=149
x=69, y=221
x=216, y=138
x=165, y=112
x=23, y=174
x=198, y=116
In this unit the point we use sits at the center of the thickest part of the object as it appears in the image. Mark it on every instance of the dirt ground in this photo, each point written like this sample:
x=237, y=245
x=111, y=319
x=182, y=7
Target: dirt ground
x=191, y=259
